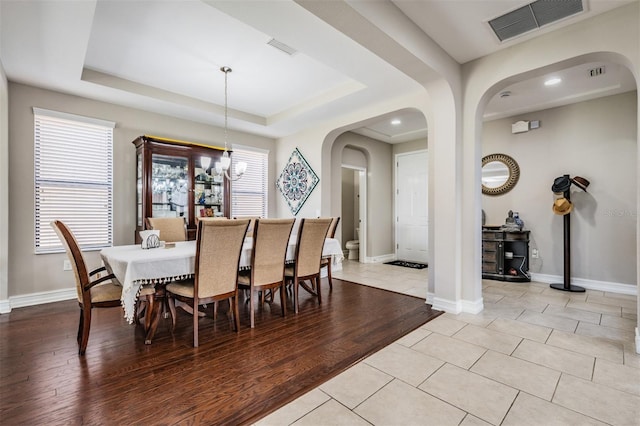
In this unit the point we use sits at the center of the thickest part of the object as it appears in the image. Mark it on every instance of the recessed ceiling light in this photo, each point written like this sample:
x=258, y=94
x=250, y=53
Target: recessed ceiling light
x=553, y=81
x=396, y=122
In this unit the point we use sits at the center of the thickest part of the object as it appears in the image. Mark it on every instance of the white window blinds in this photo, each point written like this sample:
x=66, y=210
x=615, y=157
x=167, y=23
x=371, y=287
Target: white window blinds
x=73, y=179
x=249, y=194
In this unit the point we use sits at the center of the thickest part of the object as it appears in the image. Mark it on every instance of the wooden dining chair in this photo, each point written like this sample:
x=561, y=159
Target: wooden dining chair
x=172, y=229
x=270, y=241
x=93, y=290
x=326, y=262
x=218, y=249
x=309, y=245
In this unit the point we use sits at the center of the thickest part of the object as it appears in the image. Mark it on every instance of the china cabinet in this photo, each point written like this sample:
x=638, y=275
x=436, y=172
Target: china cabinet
x=178, y=179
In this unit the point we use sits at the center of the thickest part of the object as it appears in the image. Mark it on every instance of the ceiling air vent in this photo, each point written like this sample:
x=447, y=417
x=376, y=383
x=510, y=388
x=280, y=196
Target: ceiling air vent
x=282, y=47
x=532, y=16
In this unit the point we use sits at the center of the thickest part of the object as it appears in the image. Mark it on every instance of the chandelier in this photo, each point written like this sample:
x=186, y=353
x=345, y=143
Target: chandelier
x=224, y=164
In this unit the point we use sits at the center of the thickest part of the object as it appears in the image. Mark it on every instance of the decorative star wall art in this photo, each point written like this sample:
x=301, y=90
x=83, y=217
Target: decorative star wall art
x=296, y=182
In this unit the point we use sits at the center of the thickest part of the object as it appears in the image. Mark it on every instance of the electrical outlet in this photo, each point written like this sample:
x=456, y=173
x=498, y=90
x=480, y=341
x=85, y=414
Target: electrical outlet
x=535, y=254
x=66, y=265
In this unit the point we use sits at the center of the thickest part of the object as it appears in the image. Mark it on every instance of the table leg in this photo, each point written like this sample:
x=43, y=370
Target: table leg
x=155, y=314
x=149, y=314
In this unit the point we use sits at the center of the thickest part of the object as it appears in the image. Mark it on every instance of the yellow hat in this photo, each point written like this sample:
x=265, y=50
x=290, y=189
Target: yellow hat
x=562, y=206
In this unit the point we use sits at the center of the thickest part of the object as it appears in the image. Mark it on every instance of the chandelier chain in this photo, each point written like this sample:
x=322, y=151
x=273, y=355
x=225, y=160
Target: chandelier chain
x=225, y=161
x=226, y=71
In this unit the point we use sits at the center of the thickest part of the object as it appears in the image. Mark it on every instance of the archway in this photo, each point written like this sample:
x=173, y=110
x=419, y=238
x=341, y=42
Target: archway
x=591, y=214
x=378, y=156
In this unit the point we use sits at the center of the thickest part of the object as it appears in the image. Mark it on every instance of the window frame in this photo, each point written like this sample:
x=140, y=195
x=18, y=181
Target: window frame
x=52, y=129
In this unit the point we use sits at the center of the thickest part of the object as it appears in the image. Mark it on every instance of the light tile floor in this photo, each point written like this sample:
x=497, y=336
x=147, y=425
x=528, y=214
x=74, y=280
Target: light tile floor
x=534, y=356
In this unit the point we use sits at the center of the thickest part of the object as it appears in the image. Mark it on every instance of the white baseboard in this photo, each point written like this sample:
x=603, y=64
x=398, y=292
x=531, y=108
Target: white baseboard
x=473, y=307
x=430, y=298
x=380, y=259
x=446, y=305
x=453, y=307
x=588, y=284
x=5, y=306
x=637, y=340
x=36, y=299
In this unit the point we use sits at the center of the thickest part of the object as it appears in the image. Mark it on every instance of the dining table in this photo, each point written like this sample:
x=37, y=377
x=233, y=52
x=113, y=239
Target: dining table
x=135, y=267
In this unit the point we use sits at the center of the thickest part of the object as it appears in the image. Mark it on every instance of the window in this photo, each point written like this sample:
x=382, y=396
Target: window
x=249, y=194
x=73, y=164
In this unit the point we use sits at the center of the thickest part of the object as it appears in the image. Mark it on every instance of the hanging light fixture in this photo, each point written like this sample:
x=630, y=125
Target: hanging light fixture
x=224, y=164
x=205, y=162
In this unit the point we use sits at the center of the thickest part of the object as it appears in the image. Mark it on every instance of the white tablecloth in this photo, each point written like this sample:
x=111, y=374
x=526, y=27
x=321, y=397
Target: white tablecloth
x=134, y=266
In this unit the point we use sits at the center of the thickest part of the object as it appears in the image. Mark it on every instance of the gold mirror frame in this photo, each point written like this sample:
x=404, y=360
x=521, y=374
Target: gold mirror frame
x=514, y=174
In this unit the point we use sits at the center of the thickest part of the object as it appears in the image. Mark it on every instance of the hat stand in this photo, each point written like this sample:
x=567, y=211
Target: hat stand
x=566, y=286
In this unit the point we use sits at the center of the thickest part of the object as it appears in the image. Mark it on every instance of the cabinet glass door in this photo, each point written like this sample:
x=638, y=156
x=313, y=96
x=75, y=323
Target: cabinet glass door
x=139, y=188
x=208, y=190
x=170, y=186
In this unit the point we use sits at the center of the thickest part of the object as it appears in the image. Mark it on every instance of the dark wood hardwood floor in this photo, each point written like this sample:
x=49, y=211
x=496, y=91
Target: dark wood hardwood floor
x=230, y=379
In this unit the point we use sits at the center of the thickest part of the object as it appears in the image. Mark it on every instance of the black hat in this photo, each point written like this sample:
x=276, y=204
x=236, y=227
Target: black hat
x=561, y=184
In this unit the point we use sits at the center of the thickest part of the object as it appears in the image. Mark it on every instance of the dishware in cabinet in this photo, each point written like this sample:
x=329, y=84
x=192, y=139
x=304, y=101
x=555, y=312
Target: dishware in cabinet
x=178, y=179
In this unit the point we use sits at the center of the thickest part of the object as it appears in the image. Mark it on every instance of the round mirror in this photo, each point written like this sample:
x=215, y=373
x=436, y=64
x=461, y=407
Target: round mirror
x=500, y=174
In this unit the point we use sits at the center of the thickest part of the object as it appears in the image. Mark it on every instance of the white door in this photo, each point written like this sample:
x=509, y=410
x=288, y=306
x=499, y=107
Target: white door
x=411, y=207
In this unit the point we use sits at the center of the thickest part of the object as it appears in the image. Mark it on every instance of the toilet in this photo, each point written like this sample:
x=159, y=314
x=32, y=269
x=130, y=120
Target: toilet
x=354, y=247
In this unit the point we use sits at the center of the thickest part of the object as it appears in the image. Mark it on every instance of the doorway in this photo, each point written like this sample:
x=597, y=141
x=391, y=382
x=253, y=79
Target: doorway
x=354, y=209
x=411, y=206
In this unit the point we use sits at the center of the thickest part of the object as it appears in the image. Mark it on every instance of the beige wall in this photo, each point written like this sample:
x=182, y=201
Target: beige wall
x=353, y=158
x=596, y=140
x=4, y=188
x=30, y=273
x=410, y=146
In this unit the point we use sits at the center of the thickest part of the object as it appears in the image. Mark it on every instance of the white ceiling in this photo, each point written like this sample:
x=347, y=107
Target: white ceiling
x=165, y=56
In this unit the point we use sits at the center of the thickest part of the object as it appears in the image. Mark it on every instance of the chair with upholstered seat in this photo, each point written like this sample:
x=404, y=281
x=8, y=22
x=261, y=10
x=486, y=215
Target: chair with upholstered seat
x=326, y=262
x=93, y=290
x=218, y=249
x=310, y=242
x=270, y=241
x=172, y=229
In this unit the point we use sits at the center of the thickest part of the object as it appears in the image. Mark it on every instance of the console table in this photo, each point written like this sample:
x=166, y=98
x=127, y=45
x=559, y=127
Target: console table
x=505, y=255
